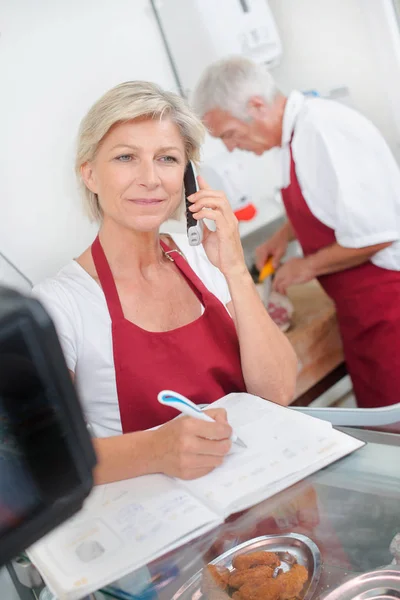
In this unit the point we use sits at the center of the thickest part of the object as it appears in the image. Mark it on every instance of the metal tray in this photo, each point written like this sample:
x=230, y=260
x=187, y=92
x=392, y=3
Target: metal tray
x=298, y=546
x=382, y=584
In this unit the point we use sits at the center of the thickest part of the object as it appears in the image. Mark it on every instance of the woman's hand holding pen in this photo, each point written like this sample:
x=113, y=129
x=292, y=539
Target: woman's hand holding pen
x=188, y=448
x=223, y=246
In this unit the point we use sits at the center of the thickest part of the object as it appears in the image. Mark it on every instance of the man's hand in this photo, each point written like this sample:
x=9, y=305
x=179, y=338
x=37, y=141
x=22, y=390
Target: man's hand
x=293, y=272
x=276, y=247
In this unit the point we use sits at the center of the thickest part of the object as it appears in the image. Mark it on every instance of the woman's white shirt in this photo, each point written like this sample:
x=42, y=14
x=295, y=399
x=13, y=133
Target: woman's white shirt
x=78, y=308
x=347, y=173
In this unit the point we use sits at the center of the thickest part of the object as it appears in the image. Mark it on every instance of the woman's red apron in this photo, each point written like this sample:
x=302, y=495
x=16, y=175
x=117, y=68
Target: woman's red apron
x=200, y=360
x=367, y=300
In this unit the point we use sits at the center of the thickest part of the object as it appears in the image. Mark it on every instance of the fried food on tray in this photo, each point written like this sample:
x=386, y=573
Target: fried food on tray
x=220, y=575
x=265, y=591
x=253, y=579
x=214, y=582
x=254, y=559
x=284, y=587
x=254, y=575
x=292, y=582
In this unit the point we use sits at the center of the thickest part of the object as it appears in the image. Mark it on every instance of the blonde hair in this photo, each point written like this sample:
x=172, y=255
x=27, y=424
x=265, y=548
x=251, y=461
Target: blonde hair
x=125, y=102
x=229, y=83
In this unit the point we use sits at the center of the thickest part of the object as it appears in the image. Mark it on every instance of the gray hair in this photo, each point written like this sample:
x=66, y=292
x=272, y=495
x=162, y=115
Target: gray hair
x=229, y=83
x=125, y=102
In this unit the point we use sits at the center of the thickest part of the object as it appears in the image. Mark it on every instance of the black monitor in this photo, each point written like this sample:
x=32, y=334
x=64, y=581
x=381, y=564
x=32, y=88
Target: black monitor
x=46, y=455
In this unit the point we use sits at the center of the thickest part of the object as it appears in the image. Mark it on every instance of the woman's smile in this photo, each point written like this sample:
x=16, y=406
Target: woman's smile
x=146, y=201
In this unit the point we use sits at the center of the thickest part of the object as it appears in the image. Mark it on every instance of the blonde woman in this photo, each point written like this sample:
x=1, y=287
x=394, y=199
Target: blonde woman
x=137, y=313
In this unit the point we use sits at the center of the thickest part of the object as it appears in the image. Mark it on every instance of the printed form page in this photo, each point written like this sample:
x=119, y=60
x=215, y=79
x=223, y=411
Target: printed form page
x=280, y=443
x=122, y=526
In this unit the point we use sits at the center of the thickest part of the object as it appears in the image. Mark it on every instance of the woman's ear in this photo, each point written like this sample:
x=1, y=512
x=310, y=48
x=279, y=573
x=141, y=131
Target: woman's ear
x=257, y=108
x=88, y=176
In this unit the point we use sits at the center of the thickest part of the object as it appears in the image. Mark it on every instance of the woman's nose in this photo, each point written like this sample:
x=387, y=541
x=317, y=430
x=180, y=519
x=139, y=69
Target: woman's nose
x=147, y=174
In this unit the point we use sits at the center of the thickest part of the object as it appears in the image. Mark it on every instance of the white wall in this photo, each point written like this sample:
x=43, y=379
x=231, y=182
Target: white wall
x=56, y=58
x=384, y=28
x=330, y=43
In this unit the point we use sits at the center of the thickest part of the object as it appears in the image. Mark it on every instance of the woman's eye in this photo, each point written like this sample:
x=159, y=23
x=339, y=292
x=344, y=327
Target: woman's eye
x=124, y=157
x=168, y=159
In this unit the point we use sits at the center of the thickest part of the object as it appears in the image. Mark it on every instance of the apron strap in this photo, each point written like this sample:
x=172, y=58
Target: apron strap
x=192, y=279
x=106, y=280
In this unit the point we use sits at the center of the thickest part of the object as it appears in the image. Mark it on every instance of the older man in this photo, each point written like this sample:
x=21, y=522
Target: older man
x=341, y=193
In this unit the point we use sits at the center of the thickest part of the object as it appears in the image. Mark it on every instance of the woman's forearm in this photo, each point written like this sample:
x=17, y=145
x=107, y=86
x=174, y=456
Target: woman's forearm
x=268, y=360
x=186, y=448
x=123, y=456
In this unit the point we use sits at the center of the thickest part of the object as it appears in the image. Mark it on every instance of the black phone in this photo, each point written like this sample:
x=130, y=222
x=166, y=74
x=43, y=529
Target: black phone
x=194, y=228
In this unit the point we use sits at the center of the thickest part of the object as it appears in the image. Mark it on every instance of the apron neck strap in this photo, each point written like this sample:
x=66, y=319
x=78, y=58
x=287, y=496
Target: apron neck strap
x=107, y=280
x=192, y=279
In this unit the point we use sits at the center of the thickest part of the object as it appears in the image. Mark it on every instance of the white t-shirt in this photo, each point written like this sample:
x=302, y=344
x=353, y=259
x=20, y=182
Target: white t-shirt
x=78, y=308
x=347, y=173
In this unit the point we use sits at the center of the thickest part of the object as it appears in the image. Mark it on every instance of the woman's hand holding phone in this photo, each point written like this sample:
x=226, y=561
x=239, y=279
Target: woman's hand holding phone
x=223, y=246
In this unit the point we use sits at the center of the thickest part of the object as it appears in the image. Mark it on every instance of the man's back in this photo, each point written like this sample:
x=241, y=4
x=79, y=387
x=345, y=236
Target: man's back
x=348, y=175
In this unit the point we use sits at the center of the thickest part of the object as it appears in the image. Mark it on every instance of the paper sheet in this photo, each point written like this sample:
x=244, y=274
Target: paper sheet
x=125, y=525
x=279, y=442
x=121, y=527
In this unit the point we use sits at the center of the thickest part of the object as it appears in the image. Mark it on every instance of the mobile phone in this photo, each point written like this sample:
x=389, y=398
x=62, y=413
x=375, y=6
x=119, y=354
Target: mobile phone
x=194, y=228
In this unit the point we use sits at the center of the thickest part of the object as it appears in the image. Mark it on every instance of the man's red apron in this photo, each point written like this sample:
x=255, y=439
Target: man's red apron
x=367, y=300
x=200, y=360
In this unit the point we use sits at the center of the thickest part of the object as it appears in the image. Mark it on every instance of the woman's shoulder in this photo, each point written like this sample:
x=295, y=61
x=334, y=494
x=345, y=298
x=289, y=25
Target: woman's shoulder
x=69, y=282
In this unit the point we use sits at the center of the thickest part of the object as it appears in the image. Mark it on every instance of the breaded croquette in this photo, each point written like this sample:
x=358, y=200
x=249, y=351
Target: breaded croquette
x=254, y=575
x=292, y=582
x=254, y=559
x=265, y=591
x=214, y=579
x=284, y=587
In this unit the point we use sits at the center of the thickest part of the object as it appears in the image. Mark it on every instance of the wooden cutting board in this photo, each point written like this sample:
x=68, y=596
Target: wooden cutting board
x=314, y=334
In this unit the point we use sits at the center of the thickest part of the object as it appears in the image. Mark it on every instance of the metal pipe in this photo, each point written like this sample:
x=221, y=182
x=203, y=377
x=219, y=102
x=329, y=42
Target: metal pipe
x=167, y=49
x=8, y=261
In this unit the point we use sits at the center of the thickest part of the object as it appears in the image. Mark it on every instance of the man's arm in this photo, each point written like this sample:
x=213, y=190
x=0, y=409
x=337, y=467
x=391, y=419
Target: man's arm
x=337, y=258
x=290, y=233
x=331, y=259
x=276, y=246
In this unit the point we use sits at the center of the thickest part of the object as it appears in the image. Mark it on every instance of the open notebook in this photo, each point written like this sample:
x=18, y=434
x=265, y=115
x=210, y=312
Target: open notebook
x=124, y=525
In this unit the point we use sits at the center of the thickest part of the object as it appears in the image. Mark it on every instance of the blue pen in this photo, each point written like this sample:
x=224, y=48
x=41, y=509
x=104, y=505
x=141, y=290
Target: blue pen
x=187, y=407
